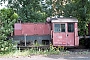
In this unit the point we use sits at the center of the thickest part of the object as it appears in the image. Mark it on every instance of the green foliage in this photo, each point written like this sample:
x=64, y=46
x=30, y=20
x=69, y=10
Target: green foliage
x=83, y=15
x=75, y=8
x=5, y=46
x=28, y=10
x=36, y=51
x=34, y=11
x=81, y=10
x=7, y=20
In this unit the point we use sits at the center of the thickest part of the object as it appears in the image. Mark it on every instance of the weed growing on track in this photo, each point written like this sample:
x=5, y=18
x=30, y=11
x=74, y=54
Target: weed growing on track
x=36, y=51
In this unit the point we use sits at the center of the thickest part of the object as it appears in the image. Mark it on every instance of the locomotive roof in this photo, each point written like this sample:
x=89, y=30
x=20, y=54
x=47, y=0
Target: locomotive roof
x=64, y=20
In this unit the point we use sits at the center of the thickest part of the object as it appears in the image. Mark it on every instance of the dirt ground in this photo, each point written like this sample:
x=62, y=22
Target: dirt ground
x=50, y=57
x=30, y=58
x=76, y=55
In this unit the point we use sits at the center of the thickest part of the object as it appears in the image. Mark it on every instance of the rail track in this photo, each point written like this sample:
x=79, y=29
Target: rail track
x=79, y=48
x=34, y=47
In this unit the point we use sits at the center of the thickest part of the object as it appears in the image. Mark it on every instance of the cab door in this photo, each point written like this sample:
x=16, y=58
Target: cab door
x=70, y=34
x=59, y=34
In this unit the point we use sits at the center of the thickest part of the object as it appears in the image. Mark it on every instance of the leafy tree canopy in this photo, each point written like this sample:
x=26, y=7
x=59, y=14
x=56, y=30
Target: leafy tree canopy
x=7, y=19
x=34, y=11
x=28, y=10
x=75, y=8
x=81, y=10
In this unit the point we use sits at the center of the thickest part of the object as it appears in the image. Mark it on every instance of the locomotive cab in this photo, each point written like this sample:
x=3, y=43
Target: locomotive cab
x=65, y=32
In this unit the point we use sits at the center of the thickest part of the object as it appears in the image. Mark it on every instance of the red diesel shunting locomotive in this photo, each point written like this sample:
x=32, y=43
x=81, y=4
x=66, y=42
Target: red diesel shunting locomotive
x=60, y=31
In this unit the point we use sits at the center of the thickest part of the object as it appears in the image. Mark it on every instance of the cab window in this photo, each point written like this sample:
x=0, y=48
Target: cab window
x=70, y=27
x=59, y=27
x=62, y=27
x=56, y=27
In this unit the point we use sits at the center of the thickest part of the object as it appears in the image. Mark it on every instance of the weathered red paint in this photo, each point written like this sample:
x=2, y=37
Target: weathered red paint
x=32, y=29
x=76, y=35
x=17, y=32
x=70, y=37
x=59, y=38
x=28, y=29
x=66, y=38
x=17, y=29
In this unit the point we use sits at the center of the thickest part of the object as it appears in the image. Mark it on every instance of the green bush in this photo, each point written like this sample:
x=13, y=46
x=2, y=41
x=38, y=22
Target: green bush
x=5, y=46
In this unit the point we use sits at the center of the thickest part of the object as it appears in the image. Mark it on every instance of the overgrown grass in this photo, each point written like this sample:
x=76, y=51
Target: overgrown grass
x=35, y=51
